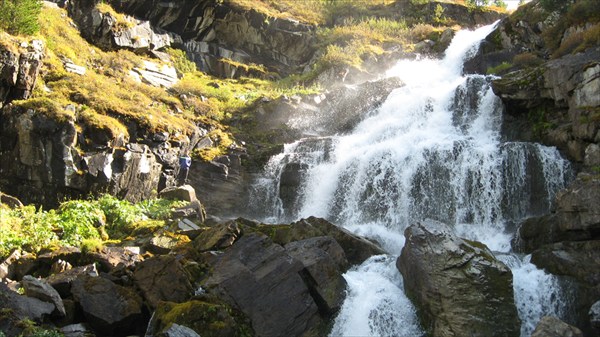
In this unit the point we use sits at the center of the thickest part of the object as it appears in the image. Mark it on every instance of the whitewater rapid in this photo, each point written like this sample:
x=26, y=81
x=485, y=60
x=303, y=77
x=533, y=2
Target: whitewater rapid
x=433, y=150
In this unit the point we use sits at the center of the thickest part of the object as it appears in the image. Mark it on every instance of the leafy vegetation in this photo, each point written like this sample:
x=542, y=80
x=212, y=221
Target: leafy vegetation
x=20, y=17
x=78, y=223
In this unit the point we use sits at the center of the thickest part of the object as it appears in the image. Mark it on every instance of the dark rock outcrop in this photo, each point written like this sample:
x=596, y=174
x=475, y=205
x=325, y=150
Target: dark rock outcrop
x=323, y=260
x=458, y=286
x=109, y=308
x=19, y=70
x=557, y=101
x=162, y=278
x=42, y=162
x=575, y=218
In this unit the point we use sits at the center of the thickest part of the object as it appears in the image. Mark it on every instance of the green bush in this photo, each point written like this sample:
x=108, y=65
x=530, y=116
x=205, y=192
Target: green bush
x=20, y=17
x=79, y=220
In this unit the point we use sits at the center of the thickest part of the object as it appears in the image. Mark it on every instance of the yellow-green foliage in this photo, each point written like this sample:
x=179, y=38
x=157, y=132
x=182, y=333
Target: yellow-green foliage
x=305, y=11
x=47, y=106
x=181, y=61
x=79, y=223
x=99, y=122
x=220, y=137
x=499, y=69
x=106, y=90
x=247, y=67
x=579, y=41
x=122, y=22
x=355, y=40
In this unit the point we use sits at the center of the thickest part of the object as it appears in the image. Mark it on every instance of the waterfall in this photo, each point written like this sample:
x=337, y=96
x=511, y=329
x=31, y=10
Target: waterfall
x=432, y=151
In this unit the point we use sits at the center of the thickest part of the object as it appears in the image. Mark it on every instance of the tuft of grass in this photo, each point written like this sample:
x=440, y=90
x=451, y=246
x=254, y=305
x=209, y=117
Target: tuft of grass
x=122, y=22
x=181, y=61
x=499, y=69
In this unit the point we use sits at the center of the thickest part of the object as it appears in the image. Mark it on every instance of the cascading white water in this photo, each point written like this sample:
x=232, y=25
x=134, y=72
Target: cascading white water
x=432, y=150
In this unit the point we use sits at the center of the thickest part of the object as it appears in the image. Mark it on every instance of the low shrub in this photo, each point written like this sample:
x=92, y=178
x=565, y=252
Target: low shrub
x=527, y=60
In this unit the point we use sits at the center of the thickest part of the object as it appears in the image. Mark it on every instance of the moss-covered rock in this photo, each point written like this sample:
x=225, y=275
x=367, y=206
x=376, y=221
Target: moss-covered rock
x=207, y=317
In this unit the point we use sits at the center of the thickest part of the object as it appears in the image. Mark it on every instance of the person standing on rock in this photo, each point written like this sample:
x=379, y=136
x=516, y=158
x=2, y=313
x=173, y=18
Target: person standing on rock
x=184, y=168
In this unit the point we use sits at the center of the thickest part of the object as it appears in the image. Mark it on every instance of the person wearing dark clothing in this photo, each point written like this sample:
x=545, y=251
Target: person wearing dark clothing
x=184, y=168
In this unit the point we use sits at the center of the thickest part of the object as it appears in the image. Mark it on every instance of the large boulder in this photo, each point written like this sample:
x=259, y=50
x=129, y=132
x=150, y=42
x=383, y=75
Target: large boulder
x=24, y=307
x=577, y=259
x=162, y=278
x=40, y=289
x=458, y=286
x=264, y=282
x=356, y=248
x=550, y=326
x=323, y=259
x=109, y=308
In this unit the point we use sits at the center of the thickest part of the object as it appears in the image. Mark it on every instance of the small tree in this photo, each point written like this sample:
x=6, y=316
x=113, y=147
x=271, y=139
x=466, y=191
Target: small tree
x=20, y=17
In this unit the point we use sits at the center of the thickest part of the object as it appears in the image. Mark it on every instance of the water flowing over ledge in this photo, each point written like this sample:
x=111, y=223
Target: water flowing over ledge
x=433, y=150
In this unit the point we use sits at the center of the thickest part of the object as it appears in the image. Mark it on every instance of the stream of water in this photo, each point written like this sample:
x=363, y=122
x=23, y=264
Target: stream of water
x=432, y=150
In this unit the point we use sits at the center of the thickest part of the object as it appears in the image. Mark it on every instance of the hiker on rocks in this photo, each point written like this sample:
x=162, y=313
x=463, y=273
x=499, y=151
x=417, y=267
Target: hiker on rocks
x=184, y=168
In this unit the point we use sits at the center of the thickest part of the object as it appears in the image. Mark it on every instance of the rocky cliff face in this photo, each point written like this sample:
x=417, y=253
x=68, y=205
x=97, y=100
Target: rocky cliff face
x=19, y=67
x=215, y=35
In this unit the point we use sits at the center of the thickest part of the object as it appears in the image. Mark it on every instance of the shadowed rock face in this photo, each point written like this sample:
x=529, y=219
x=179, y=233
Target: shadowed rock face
x=458, y=286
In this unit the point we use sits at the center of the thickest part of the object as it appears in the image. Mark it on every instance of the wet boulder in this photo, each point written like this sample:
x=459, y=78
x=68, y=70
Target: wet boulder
x=356, y=248
x=162, y=278
x=553, y=327
x=109, y=309
x=323, y=259
x=458, y=286
x=594, y=315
